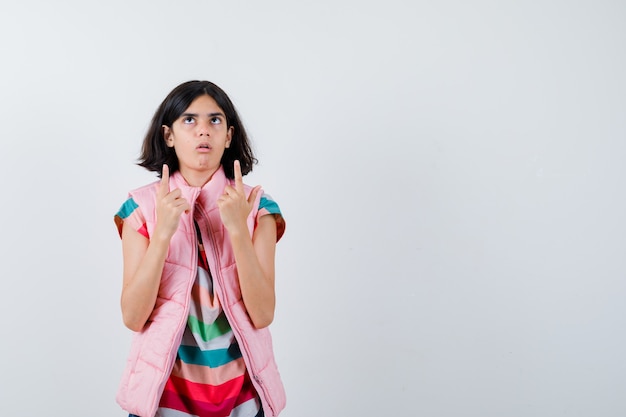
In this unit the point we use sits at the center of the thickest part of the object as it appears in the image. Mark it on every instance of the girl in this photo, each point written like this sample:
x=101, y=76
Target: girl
x=198, y=250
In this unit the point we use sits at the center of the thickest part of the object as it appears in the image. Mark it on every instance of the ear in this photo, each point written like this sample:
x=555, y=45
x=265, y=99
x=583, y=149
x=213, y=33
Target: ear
x=169, y=137
x=229, y=136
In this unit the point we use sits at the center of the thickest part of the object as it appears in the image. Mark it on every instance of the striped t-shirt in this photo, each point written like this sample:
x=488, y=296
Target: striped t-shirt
x=209, y=376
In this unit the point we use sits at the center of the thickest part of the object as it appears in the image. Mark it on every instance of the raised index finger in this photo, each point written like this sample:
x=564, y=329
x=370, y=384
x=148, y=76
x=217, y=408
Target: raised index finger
x=238, y=178
x=164, y=186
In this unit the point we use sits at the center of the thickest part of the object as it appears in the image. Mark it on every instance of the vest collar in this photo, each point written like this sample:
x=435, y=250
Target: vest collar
x=208, y=193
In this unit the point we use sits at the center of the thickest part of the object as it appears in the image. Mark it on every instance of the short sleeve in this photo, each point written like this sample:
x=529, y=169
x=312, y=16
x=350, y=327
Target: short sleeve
x=267, y=205
x=131, y=214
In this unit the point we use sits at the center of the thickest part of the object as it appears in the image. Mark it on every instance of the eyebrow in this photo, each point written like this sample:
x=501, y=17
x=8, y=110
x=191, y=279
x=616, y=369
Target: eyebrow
x=196, y=114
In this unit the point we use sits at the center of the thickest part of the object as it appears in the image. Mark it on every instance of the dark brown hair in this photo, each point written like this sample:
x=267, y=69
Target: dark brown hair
x=155, y=153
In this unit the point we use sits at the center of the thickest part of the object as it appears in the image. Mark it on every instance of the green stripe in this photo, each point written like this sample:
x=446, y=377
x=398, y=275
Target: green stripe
x=209, y=331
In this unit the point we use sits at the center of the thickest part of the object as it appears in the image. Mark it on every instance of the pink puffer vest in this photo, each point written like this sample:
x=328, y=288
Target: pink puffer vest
x=153, y=350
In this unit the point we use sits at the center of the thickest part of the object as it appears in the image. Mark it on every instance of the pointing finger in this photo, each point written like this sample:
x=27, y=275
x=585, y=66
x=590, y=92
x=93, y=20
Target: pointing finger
x=164, y=187
x=238, y=179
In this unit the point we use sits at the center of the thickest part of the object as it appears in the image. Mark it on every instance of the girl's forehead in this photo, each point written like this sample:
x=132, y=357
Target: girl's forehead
x=204, y=102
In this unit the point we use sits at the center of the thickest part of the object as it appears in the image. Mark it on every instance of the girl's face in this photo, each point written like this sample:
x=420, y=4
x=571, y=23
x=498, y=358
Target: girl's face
x=199, y=137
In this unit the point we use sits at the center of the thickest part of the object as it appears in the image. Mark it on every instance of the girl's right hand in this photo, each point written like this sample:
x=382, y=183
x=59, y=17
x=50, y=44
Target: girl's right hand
x=170, y=205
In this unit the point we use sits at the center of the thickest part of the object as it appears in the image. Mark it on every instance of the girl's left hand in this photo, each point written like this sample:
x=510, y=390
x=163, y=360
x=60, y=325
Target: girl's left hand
x=234, y=206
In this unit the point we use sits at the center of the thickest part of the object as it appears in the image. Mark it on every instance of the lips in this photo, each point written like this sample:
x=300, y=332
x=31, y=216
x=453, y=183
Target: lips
x=204, y=146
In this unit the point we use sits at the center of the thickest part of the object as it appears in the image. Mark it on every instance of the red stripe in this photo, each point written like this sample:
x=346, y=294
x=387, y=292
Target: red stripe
x=204, y=392
x=198, y=408
x=203, y=399
x=247, y=392
x=144, y=230
x=202, y=262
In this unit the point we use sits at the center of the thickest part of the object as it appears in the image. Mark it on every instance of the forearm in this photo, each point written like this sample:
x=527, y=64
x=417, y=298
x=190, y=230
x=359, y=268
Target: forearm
x=256, y=280
x=142, y=285
x=254, y=256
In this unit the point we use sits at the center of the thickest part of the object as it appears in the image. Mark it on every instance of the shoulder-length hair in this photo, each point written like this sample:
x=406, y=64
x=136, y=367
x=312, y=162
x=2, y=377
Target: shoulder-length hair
x=155, y=152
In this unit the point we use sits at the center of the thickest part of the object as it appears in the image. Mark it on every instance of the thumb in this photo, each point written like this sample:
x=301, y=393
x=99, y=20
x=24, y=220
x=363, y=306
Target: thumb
x=253, y=194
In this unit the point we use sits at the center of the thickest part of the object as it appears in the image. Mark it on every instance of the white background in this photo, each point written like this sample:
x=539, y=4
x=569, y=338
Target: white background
x=451, y=172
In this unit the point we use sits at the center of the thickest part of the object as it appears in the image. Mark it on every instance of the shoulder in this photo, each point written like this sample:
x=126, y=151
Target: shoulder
x=145, y=191
x=267, y=205
x=130, y=213
x=145, y=197
x=134, y=209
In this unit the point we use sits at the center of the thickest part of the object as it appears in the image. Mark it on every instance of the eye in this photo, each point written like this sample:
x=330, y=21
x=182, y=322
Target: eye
x=215, y=120
x=188, y=120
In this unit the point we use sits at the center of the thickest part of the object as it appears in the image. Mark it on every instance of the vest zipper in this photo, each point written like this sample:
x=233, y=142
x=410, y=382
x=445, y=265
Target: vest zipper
x=220, y=293
x=182, y=325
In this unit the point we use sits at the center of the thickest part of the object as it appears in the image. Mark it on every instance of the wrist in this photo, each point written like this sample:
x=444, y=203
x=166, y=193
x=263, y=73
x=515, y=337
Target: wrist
x=238, y=231
x=160, y=237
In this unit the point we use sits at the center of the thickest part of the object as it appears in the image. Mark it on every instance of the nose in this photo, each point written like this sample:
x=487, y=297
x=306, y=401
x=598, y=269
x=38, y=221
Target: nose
x=203, y=128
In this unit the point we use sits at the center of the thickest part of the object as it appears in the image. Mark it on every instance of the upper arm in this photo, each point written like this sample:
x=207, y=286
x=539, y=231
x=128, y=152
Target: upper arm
x=134, y=247
x=264, y=241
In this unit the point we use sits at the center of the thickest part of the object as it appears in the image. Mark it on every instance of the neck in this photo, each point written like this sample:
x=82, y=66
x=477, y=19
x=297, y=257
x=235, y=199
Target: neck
x=197, y=178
